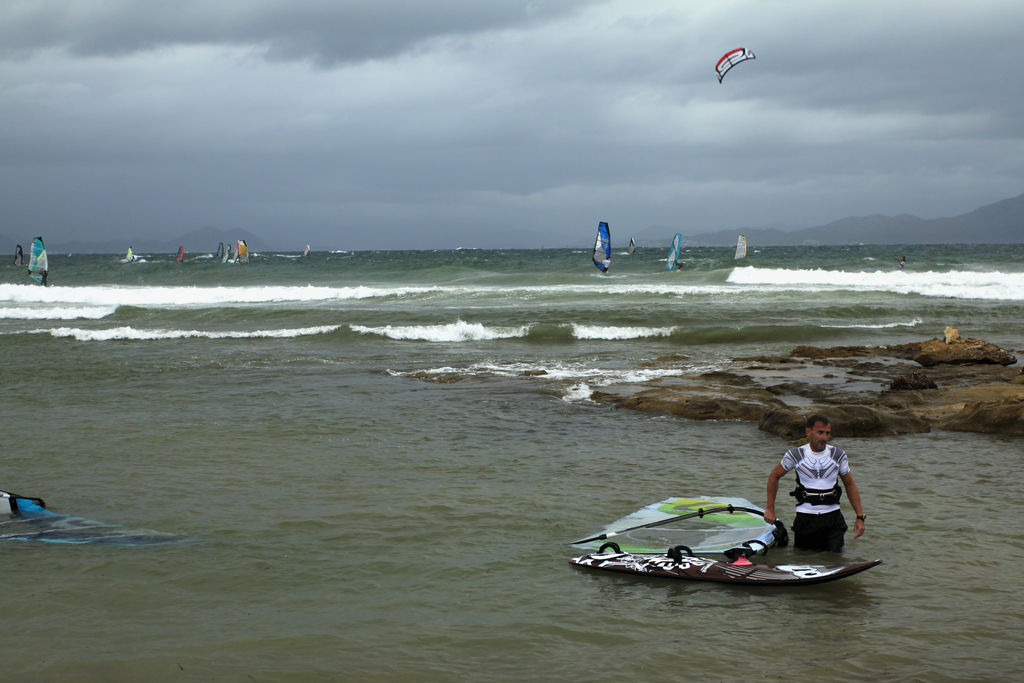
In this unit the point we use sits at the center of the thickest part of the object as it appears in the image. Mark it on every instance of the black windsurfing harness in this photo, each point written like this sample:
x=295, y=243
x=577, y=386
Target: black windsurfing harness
x=816, y=496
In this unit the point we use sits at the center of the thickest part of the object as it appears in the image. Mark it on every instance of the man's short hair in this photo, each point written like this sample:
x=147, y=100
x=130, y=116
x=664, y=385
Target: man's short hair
x=814, y=419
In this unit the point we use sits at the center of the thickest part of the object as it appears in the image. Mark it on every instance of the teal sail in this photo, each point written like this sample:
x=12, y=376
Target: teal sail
x=24, y=518
x=603, y=247
x=673, y=253
x=703, y=524
x=38, y=264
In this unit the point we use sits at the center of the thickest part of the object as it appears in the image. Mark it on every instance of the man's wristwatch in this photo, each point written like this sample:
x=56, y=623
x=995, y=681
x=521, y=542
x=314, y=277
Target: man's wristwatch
x=862, y=517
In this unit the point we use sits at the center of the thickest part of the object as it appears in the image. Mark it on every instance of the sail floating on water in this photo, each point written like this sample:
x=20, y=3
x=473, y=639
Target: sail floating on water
x=741, y=247
x=38, y=264
x=673, y=253
x=704, y=524
x=603, y=247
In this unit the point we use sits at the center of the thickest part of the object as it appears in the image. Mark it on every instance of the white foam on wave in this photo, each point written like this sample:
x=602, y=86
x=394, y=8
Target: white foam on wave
x=136, y=334
x=656, y=289
x=458, y=331
x=56, y=312
x=194, y=296
x=955, y=284
x=575, y=381
x=607, y=332
x=577, y=392
x=879, y=326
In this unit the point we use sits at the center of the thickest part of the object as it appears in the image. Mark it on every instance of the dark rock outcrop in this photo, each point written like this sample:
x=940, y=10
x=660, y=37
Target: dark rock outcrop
x=989, y=417
x=865, y=391
x=911, y=382
x=961, y=352
x=846, y=421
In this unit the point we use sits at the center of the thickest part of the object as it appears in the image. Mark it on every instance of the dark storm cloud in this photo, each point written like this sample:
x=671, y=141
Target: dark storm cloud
x=350, y=123
x=327, y=32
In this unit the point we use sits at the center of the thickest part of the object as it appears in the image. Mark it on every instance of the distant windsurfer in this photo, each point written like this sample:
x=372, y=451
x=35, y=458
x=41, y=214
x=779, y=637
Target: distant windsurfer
x=605, y=265
x=19, y=256
x=902, y=262
x=819, y=523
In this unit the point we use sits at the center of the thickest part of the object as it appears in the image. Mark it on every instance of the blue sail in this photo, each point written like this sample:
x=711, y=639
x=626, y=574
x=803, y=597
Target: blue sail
x=603, y=247
x=23, y=518
x=673, y=253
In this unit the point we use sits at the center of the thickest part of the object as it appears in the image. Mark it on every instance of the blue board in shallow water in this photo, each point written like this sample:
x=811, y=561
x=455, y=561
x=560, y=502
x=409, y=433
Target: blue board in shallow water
x=23, y=518
x=741, y=571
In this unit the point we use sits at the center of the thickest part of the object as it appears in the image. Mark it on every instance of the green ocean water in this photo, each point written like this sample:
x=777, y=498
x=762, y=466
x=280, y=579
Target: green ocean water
x=374, y=461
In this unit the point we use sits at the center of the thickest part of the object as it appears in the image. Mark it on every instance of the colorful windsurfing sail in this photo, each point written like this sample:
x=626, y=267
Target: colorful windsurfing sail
x=241, y=251
x=23, y=518
x=180, y=256
x=603, y=247
x=632, y=246
x=703, y=524
x=38, y=264
x=731, y=59
x=741, y=247
x=672, y=262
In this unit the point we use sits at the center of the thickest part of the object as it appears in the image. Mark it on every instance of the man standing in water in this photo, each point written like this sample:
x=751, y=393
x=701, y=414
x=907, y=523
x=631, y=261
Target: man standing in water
x=819, y=523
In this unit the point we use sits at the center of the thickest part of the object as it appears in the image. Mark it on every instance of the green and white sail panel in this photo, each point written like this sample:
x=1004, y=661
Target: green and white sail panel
x=38, y=264
x=726, y=522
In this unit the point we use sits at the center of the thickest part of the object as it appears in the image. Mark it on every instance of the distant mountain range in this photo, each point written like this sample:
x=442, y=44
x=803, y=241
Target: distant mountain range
x=998, y=223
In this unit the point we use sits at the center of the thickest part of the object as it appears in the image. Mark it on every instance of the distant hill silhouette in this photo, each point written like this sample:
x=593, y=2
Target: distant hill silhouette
x=998, y=223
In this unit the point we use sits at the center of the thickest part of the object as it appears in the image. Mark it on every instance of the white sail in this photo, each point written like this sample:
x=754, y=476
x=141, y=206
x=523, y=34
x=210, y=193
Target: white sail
x=673, y=253
x=741, y=247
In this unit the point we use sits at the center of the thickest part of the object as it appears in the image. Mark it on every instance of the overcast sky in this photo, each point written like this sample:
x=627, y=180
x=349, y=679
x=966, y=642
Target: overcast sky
x=397, y=124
